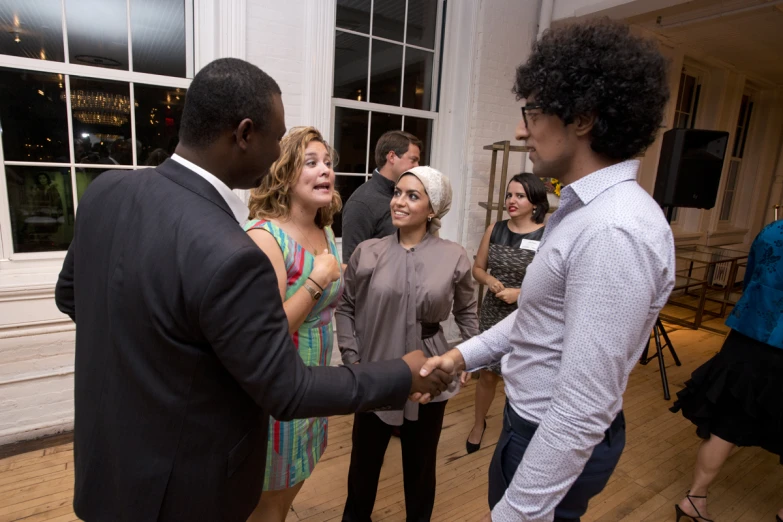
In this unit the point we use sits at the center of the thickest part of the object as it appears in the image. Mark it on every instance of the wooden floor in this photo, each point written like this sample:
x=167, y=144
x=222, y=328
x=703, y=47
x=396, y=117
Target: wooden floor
x=653, y=474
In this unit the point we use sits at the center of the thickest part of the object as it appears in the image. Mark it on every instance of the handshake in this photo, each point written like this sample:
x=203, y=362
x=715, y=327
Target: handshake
x=431, y=376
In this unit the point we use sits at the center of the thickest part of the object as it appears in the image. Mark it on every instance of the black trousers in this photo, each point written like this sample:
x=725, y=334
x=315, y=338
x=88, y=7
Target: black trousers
x=419, y=441
x=516, y=435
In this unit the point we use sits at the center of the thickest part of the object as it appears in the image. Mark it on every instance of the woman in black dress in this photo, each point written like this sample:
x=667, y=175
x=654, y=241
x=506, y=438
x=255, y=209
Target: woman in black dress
x=505, y=252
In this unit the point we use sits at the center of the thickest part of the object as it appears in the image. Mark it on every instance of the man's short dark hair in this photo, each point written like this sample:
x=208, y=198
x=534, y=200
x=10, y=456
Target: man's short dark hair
x=599, y=68
x=397, y=141
x=535, y=190
x=221, y=95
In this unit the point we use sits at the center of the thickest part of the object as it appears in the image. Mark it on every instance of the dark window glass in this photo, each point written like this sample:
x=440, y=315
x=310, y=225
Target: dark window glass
x=422, y=129
x=41, y=206
x=417, y=91
x=101, y=122
x=158, y=33
x=350, y=139
x=345, y=185
x=33, y=116
x=388, y=19
x=32, y=29
x=98, y=32
x=422, y=17
x=354, y=15
x=158, y=116
x=381, y=122
x=350, y=66
x=83, y=179
x=386, y=74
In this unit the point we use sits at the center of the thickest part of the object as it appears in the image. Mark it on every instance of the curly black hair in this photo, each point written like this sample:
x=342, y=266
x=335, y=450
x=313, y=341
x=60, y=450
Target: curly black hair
x=599, y=67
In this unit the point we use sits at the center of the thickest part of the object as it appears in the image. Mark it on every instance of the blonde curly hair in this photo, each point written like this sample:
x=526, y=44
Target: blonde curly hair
x=272, y=199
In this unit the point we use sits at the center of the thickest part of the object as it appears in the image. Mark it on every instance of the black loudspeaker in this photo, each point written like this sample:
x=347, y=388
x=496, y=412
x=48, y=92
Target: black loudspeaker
x=690, y=167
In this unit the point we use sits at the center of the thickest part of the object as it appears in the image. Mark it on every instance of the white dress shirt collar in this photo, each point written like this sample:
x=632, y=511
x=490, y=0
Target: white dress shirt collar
x=234, y=202
x=590, y=186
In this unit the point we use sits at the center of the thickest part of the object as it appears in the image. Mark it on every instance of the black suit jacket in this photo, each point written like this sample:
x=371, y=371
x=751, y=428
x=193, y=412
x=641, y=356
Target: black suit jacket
x=183, y=353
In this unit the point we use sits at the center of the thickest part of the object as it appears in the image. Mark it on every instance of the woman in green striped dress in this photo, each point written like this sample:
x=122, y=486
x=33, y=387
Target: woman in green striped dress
x=291, y=212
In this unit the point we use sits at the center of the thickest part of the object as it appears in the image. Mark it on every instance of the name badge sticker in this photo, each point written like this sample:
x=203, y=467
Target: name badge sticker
x=529, y=244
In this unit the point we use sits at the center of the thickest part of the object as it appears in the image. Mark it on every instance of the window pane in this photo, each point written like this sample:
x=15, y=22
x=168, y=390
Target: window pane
x=725, y=208
x=350, y=139
x=354, y=15
x=33, y=116
x=417, y=93
x=98, y=32
x=84, y=177
x=731, y=180
x=422, y=129
x=350, y=66
x=41, y=204
x=158, y=116
x=422, y=17
x=32, y=29
x=386, y=74
x=101, y=121
x=381, y=123
x=745, y=131
x=388, y=19
x=345, y=186
x=686, y=94
x=158, y=33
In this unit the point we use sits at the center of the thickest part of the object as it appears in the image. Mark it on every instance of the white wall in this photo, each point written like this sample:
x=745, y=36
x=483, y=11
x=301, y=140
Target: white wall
x=276, y=44
x=506, y=30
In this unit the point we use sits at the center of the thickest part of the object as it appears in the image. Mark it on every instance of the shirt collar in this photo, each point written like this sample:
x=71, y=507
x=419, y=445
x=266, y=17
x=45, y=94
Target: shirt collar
x=589, y=187
x=234, y=202
x=386, y=184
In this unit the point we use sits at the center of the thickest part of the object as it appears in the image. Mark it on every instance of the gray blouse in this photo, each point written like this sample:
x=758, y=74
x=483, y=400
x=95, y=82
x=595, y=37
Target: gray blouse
x=390, y=291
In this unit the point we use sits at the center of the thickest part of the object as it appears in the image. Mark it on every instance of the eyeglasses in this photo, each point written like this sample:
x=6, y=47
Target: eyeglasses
x=527, y=108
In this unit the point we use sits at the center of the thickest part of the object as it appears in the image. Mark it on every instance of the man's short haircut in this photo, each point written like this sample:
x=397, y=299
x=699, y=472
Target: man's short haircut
x=221, y=95
x=600, y=68
x=397, y=141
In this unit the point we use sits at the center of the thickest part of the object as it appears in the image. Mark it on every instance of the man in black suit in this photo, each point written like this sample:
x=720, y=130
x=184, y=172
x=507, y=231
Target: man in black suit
x=182, y=345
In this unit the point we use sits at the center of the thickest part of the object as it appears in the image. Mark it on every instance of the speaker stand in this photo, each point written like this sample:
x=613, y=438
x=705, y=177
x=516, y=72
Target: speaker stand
x=660, y=331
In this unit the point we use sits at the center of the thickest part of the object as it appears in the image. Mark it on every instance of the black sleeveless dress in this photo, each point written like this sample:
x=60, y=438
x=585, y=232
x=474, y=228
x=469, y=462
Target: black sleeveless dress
x=507, y=262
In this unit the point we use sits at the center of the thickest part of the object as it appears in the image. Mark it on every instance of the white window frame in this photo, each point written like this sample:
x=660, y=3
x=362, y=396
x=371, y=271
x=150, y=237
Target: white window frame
x=742, y=136
x=214, y=29
x=371, y=107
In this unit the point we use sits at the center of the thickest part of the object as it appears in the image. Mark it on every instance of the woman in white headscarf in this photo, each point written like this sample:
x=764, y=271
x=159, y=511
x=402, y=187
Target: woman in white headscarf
x=398, y=291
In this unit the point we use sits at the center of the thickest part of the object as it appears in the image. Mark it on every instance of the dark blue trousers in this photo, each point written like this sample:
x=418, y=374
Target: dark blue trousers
x=514, y=439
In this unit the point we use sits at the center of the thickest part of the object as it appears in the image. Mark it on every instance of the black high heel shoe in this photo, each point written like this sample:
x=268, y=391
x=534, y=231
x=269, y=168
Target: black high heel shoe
x=680, y=513
x=473, y=448
x=777, y=518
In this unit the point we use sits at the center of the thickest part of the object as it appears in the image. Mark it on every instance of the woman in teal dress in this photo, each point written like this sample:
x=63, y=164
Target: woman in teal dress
x=291, y=213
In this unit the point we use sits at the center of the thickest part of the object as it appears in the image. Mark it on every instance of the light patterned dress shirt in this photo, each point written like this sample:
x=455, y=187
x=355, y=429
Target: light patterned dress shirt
x=603, y=271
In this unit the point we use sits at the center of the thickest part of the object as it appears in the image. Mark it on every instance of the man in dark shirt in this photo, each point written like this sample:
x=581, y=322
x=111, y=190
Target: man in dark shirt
x=366, y=214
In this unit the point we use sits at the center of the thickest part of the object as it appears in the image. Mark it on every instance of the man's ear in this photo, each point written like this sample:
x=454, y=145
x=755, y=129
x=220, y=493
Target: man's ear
x=391, y=157
x=243, y=133
x=584, y=124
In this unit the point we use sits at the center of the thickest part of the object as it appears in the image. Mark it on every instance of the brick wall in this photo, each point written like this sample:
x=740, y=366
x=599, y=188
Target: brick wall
x=505, y=32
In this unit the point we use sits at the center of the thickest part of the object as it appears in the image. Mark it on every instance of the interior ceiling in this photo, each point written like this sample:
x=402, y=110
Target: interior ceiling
x=750, y=40
x=98, y=29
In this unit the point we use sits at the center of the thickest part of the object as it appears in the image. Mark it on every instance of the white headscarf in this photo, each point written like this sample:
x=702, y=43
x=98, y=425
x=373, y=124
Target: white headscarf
x=438, y=189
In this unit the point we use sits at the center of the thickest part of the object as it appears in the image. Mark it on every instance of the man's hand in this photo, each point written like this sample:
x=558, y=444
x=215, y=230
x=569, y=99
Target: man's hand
x=425, y=386
x=450, y=362
x=508, y=295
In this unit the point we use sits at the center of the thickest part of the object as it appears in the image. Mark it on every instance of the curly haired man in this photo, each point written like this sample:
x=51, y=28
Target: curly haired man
x=594, y=98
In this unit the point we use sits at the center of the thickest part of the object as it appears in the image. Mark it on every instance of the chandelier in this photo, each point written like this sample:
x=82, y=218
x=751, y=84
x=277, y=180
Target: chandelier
x=100, y=108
